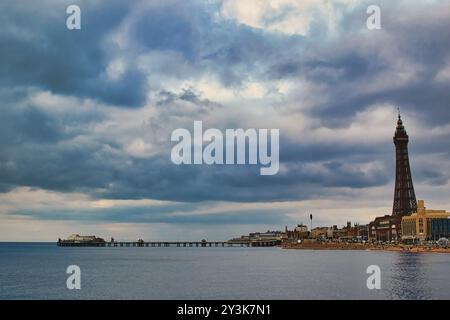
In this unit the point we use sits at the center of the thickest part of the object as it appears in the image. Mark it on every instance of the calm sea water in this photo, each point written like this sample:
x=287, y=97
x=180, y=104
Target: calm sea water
x=37, y=271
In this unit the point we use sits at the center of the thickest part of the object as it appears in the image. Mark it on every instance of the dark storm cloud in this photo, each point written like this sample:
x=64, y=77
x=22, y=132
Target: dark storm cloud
x=232, y=51
x=38, y=149
x=432, y=176
x=30, y=125
x=417, y=36
x=166, y=98
x=77, y=168
x=38, y=50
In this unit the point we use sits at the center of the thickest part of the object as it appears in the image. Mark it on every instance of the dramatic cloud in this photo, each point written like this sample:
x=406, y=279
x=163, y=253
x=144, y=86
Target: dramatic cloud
x=89, y=113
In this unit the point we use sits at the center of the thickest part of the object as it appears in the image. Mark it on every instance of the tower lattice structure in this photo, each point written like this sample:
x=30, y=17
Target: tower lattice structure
x=404, y=197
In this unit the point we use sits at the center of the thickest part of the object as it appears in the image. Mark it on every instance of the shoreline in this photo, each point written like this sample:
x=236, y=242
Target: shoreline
x=364, y=247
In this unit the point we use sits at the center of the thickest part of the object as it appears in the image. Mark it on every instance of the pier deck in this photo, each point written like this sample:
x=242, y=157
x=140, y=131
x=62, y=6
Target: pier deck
x=268, y=243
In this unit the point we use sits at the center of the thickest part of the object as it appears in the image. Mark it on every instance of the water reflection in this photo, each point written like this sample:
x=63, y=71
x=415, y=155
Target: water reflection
x=409, y=277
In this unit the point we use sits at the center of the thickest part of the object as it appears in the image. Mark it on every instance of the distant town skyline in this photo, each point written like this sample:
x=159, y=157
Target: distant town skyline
x=86, y=115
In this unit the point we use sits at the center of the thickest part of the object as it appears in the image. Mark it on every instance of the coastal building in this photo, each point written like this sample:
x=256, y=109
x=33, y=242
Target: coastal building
x=425, y=224
x=346, y=233
x=440, y=228
x=389, y=227
x=300, y=232
x=268, y=235
x=261, y=237
x=301, y=228
x=77, y=237
x=385, y=229
x=320, y=232
x=77, y=240
x=336, y=233
x=357, y=232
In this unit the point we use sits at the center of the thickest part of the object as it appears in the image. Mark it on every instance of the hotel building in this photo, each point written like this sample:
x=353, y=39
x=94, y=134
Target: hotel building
x=425, y=224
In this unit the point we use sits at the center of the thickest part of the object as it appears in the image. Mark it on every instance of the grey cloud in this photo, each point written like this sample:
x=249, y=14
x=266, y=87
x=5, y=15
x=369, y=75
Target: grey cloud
x=39, y=51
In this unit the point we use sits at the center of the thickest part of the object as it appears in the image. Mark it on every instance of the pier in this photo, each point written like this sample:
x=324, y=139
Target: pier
x=154, y=244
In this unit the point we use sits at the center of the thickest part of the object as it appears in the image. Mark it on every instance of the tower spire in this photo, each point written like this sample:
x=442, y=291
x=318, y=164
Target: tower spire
x=404, y=196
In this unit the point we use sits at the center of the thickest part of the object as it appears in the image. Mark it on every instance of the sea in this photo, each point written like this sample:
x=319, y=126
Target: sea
x=39, y=271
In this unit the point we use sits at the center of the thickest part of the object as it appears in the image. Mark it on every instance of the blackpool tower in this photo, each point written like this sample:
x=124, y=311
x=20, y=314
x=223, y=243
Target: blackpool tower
x=404, y=197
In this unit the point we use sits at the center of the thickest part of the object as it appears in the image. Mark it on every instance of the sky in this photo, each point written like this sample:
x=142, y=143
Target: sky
x=86, y=115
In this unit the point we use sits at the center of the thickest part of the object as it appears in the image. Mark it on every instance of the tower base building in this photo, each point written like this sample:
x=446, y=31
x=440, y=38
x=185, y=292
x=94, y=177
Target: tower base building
x=385, y=229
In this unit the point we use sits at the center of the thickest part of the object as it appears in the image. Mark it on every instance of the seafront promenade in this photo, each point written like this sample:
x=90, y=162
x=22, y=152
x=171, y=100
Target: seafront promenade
x=366, y=246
